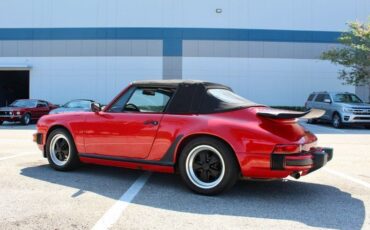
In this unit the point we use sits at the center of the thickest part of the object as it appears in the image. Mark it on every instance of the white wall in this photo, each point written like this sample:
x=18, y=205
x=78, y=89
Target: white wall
x=59, y=79
x=324, y=15
x=62, y=78
x=268, y=81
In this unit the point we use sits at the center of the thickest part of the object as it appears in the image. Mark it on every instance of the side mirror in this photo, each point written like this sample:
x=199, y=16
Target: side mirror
x=327, y=101
x=95, y=107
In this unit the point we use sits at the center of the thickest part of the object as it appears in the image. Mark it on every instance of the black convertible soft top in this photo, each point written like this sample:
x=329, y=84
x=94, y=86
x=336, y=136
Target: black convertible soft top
x=194, y=97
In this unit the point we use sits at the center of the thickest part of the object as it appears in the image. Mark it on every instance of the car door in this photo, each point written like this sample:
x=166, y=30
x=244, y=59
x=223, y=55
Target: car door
x=129, y=126
x=328, y=106
x=42, y=108
x=320, y=104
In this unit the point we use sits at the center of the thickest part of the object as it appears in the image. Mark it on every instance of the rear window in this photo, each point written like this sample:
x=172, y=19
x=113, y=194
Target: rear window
x=321, y=97
x=310, y=98
x=228, y=96
x=217, y=100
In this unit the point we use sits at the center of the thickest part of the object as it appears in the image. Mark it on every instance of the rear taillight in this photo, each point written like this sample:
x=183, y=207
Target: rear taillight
x=287, y=149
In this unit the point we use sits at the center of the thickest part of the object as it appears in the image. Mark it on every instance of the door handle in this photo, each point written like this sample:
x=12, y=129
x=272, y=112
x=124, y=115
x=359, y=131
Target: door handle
x=150, y=122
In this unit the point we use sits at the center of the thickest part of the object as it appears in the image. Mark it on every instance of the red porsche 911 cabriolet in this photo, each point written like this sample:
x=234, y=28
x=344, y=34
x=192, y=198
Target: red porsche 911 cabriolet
x=202, y=130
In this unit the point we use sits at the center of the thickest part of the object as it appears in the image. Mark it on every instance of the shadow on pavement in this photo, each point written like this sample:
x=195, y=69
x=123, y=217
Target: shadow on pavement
x=106, y=181
x=312, y=204
x=17, y=126
x=315, y=205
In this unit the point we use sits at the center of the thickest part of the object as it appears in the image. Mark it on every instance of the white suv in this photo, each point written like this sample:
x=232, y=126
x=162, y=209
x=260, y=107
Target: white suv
x=341, y=108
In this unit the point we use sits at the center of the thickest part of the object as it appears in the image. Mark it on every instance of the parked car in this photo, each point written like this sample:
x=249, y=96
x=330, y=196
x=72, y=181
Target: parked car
x=202, y=130
x=341, y=108
x=79, y=105
x=25, y=110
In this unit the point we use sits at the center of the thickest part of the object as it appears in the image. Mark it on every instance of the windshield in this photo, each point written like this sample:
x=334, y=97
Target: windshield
x=24, y=104
x=230, y=97
x=78, y=104
x=347, y=98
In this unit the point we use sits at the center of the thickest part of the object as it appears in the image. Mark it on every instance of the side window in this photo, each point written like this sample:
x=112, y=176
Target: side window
x=117, y=107
x=326, y=96
x=42, y=104
x=320, y=97
x=310, y=98
x=148, y=100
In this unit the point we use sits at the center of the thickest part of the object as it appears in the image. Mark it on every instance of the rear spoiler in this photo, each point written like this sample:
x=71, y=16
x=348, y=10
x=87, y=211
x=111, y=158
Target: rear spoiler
x=287, y=114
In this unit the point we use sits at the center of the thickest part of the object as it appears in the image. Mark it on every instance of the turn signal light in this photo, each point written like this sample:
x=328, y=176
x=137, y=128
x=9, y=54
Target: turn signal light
x=34, y=137
x=286, y=149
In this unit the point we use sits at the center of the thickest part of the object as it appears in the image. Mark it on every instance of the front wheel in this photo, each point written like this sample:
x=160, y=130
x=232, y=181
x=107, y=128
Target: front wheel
x=337, y=121
x=208, y=166
x=26, y=119
x=61, y=151
x=1, y=122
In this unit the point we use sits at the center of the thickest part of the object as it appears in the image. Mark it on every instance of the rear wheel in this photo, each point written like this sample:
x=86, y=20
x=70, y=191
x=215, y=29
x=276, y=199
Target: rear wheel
x=337, y=121
x=311, y=121
x=26, y=119
x=208, y=166
x=61, y=151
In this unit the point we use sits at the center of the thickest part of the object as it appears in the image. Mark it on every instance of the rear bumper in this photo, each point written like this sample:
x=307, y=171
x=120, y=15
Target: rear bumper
x=304, y=163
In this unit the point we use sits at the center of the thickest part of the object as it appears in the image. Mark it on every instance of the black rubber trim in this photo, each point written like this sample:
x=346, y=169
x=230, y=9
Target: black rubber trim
x=39, y=138
x=282, y=114
x=125, y=159
x=330, y=152
x=169, y=155
x=304, y=162
x=277, y=162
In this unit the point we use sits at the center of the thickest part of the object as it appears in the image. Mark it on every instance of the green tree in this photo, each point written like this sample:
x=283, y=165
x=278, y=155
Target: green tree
x=354, y=54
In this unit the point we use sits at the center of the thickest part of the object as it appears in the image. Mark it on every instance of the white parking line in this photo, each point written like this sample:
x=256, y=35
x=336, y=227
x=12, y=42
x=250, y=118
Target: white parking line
x=344, y=176
x=113, y=214
x=16, y=155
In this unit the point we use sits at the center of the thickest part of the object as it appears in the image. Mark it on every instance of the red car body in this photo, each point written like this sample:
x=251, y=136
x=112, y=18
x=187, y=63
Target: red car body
x=25, y=107
x=264, y=144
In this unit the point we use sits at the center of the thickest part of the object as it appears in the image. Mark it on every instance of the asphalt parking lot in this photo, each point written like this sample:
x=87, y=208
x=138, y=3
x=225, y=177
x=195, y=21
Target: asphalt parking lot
x=33, y=196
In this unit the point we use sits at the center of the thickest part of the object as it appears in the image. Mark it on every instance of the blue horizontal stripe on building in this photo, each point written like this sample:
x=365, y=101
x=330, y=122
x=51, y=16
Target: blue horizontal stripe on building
x=172, y=37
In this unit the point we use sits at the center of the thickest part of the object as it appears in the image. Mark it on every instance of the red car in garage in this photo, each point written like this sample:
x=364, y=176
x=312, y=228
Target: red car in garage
x=25, y=110
x=202, y=130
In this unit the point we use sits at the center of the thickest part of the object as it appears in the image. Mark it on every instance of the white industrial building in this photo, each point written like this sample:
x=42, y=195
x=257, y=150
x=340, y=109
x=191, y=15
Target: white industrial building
x=266, y=50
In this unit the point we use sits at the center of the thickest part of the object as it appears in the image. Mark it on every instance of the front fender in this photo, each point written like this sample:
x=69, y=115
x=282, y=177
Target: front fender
x=73, y=123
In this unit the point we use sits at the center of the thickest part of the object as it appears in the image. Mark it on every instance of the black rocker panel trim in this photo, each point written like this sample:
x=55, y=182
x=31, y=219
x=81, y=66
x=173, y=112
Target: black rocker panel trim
x=126, y=159
x=169, y=155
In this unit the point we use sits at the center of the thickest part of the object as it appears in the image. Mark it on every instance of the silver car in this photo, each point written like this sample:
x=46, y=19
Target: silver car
x=341, y=108
x=79, y=105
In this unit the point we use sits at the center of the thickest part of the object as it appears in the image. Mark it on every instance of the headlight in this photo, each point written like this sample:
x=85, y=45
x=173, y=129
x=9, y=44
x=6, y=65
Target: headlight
x=10, y=113
x=18, y=113
x=347, y=110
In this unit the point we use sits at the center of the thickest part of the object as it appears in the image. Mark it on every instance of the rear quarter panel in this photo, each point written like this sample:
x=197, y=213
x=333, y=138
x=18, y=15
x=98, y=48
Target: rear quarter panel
x=241, y=129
